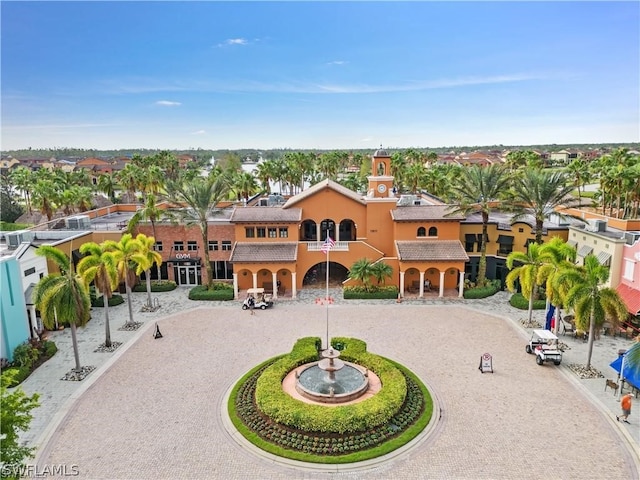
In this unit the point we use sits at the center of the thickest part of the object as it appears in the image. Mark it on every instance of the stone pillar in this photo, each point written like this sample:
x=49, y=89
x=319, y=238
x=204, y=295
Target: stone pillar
x=461, y=284
x=255, y=279
x=294, y=288
x=441, y=292
x=235, y=286
x=421, y=285
x=402, y=284
x=318, y=233
x=33, y=321
x=274, y=282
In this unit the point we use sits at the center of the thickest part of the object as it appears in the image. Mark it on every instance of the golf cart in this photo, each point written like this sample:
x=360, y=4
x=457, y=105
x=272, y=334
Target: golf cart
x=260, y=299
x=544, y=344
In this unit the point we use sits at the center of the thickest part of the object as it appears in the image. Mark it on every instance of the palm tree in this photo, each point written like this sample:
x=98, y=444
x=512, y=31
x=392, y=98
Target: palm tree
x=244, y=184
x=201, y=196
x=100, y=266
x=62, y=296
x=556, y=255
x=23, y=179
x=124, y=252
x=145, y=259
x=579, y=172
x=538, y=193
x=381, y=271
x=362, y=271
x=477, y=189
x=150, y=211
x=107, y=184
x=592, y=304
x=526, y=272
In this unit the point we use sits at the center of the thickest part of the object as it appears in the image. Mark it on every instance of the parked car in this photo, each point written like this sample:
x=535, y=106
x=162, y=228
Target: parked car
x=544, y=345
x=260, y=299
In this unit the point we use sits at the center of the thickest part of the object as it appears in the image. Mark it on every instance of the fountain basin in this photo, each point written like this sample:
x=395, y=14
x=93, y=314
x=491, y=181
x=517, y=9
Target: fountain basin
x=328, y=386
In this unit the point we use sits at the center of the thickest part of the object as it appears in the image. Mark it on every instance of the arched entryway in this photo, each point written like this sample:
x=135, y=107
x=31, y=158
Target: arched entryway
x=316, y=276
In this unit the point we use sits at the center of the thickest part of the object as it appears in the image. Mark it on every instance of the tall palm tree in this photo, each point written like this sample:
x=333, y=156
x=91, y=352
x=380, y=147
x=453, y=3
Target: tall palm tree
x=100, y=266
x=477, y=189
x=556, y=255
x=124, y=252
x=149, y=211
x=524, y=267
x=62, y=297
x=23, y=179
x=107, y=184
x=201, y=196
x=592, y=304
x=538, y=193
x=145, y=259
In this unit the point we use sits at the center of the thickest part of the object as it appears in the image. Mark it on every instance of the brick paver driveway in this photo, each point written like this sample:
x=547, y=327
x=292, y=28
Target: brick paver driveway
x=158, y=411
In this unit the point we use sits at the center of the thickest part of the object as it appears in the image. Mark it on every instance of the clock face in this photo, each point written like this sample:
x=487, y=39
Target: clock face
x=382, y=188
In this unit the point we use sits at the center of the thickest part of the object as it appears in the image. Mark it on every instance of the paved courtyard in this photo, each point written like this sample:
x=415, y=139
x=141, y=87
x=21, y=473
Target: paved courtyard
x=155, y=409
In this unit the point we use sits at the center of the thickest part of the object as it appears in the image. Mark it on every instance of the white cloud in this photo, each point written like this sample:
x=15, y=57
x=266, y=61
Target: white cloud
x=168, y=103
x=234, y=41
x=337, y=62
x=198, y=132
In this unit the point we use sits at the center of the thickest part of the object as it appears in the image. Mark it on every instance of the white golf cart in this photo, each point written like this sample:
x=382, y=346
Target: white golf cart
x=260, y=299
x=544, y=345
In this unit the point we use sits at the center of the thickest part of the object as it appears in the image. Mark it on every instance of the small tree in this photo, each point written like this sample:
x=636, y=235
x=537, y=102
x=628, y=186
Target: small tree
x=362, y=271
x=15, y=417
x=526, y=272
x=145, y=259
x=381, y=271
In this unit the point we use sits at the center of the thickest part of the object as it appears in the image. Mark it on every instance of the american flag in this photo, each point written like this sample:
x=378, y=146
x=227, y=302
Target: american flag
x=327, y=245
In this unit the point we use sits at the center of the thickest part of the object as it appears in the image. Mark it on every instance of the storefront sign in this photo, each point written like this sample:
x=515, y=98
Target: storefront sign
x=183, y=256
x=486, y=363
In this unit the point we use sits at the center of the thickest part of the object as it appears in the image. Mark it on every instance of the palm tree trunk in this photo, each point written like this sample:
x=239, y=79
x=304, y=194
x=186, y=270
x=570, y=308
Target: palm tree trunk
x=592, y=333
x=482, y=265
x=147, y=274
x=107, y=329
x=128, y=288
x=207, y=263
x=74, y=342
x=531, y=304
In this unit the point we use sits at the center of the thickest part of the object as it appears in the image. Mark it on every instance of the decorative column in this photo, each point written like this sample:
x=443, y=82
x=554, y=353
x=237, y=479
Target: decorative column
x=461, y=284
x=33, y=322
x=318, y=233
x=274, y=282
x=421, y=285
x=255, y=279
x=294, y=289
x=441, y=292
x=235, y=286
x=402, y=284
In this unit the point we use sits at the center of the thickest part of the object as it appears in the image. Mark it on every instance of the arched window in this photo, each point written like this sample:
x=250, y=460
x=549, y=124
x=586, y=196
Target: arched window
x=381, y=169
x=433, y=232
x=422, y=232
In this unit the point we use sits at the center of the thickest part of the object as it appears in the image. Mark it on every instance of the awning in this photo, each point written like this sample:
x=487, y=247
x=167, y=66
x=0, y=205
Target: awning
x=505, y=239
x=572, y=243
x=630, y=297
x=604, y=258
x=585, y=250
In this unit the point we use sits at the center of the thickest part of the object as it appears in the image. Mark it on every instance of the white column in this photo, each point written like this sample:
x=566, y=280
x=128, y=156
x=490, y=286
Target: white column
x=235, y=286
x=421, y=285
x=255, y=280
x=402, y=284
x=461, y=284
x=274, y=282
x=34, y=322
x=318, y=233
x=294, y=289
x=441, y=292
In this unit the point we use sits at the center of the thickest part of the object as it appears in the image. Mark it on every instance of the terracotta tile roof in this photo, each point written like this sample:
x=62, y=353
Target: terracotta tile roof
x=431, y=250
x=630, y=297
x=264, y=252
x=330, y=184
x=423, y=212
x=266, y=214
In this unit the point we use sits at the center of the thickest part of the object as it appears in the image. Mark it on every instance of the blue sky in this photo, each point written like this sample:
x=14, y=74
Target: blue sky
x=328, y=75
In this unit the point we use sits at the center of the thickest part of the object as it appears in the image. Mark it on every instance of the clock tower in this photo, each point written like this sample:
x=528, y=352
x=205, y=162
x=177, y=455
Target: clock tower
x=380, y=180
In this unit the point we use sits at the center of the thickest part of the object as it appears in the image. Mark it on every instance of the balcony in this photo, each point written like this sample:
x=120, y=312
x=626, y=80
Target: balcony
x=340, y=246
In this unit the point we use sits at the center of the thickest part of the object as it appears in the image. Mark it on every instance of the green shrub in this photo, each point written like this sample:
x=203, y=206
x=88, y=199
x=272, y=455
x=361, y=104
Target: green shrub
x=372, y=412
x=483, y=292
x=156, y=286
x=375, y=293
x=49, y=348
x=16, y=374
x=517, y=300
x=201, y=292
x=25, y=355
x=9, y=227
x=113, y=301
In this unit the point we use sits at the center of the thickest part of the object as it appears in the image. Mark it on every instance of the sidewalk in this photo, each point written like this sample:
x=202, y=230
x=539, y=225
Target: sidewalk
x=56, y=393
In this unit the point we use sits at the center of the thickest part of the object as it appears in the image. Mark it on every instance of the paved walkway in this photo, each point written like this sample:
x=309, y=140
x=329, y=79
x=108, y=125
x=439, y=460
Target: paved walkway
x=155, y=408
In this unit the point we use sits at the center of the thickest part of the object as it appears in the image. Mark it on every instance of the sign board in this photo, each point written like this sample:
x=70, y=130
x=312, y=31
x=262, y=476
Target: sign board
x=486, y=363
x=183, y=256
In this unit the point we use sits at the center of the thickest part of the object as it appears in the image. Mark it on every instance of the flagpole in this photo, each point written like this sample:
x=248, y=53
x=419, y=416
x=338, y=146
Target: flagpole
x=326, y=296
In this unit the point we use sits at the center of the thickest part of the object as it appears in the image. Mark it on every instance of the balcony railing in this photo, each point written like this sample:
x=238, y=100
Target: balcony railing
x=340, y=246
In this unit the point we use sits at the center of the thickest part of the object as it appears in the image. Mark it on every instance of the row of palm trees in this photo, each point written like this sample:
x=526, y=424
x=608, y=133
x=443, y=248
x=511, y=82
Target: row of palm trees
x=567, y=285
x=63, y=297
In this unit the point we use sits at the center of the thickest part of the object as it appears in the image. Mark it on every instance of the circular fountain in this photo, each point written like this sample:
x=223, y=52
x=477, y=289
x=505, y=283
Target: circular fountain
x=331, y=380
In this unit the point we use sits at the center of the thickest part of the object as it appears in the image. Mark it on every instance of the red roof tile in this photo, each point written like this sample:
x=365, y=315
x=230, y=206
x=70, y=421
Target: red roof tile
x=630, y=297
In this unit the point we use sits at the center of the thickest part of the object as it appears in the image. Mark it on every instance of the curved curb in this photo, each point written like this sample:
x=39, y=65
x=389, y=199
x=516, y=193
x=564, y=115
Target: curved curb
x=431, y=431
